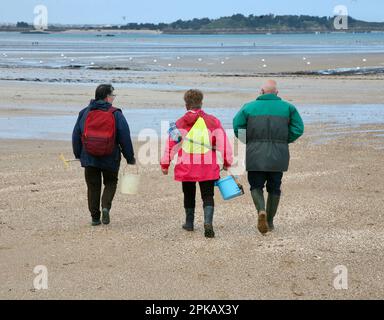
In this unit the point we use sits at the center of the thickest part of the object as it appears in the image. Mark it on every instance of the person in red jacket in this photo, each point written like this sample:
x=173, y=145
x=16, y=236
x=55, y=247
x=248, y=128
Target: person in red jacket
x=200, y=136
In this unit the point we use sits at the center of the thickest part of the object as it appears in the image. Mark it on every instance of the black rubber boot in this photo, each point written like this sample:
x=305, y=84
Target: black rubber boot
x=106, y=218
x=259, y=201
x=272, y=206
x=189, y=219
x=208, y=222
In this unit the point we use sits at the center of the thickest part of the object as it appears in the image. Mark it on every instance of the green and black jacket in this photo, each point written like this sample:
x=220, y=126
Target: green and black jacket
x=268, y=125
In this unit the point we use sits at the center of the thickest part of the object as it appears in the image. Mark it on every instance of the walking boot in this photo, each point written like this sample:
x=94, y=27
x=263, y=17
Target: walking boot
x=96, y=222
x=189, y=219
x=106, y=219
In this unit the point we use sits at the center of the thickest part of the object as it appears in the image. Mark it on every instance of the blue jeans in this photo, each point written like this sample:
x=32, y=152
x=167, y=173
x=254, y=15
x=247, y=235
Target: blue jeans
x=257, y=180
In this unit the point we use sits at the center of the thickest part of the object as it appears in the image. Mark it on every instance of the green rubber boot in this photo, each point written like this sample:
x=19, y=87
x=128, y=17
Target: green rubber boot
x=208, y=222
x=259, y=201
x=189, y=219
x=272, y=206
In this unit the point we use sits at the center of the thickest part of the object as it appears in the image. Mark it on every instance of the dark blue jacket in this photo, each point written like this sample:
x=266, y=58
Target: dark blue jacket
x=123, y=141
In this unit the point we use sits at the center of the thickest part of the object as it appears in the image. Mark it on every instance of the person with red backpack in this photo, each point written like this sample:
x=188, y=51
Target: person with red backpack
x=196, y=138
x=100, y=135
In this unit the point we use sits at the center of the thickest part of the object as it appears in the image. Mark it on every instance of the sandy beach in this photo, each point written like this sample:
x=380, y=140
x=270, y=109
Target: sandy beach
x=221, y=92
x=331, y=215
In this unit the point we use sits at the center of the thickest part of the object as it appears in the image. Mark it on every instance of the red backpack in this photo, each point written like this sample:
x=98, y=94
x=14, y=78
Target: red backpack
x=99, y=136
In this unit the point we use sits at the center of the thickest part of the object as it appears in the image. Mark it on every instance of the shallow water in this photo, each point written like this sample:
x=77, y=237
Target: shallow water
x=60, y=127
x=65, y=49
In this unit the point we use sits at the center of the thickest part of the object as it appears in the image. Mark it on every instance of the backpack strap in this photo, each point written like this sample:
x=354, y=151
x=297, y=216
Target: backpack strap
x=113, y=110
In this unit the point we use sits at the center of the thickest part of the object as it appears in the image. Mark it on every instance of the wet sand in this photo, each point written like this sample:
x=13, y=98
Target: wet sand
x=228, y=85
x=221, y=92
x=331, y=214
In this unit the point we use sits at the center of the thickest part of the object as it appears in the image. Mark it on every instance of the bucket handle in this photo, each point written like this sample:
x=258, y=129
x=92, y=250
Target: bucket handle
x=126, y=167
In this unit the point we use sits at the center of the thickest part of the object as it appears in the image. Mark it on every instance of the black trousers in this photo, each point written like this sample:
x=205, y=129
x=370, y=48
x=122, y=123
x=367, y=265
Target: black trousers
x=257, y=180
x=94, y=177
x=207, y=189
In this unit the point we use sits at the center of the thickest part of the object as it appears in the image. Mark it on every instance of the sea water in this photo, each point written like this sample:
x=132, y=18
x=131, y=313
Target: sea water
x=60, y=127
x=79, y=49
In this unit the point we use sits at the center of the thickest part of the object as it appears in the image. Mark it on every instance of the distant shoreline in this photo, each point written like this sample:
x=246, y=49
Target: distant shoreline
x=116, y=32
x=113, y=32
x=257, y=32
x=83, y=31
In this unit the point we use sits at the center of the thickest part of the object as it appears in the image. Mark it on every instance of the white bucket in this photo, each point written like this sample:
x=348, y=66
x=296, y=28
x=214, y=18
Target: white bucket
x=130, y=183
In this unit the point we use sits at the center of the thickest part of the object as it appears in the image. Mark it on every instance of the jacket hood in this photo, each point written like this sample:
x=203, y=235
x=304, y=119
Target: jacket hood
x=191, y=116
x=99, y=104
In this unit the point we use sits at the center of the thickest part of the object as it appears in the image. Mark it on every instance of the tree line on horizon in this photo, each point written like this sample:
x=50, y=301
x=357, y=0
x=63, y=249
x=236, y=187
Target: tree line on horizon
x=239, y=22
x=270, y=22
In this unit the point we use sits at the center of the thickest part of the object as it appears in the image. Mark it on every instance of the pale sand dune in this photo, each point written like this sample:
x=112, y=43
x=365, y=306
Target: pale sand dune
x=331, y=214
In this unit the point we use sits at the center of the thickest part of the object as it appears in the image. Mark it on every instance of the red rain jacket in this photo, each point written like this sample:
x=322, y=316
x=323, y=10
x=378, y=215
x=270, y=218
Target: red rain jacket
x=198, y=162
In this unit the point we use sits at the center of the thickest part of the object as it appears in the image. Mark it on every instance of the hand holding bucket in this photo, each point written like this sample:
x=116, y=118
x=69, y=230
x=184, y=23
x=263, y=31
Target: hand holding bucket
x=230, y=187
x=66, y=162
x=130, y=182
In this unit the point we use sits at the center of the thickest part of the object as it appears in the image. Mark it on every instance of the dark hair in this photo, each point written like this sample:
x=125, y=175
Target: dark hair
x=103, y=91
x=194, y=98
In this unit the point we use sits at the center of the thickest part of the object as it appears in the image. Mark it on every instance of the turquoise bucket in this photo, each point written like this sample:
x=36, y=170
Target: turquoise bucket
x=229, y=188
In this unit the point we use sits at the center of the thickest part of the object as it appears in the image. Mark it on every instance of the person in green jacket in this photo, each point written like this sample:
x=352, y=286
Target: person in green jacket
x=267, y=125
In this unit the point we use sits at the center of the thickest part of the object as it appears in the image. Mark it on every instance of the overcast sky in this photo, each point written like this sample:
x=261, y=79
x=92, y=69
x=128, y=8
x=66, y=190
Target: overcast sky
x=123, y=11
